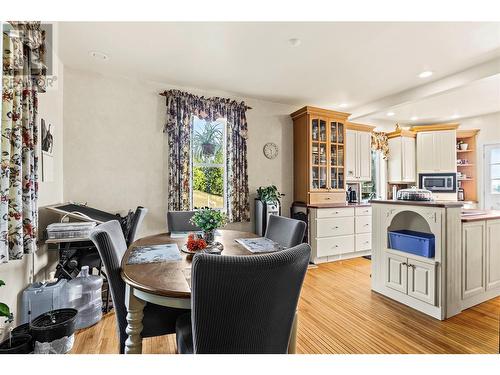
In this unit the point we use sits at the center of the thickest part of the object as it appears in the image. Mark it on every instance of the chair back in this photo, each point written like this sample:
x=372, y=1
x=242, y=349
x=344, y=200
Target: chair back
x=139, y=214
x=110, y=242
x=178, y=221
x=285, y=231
x=246, y=304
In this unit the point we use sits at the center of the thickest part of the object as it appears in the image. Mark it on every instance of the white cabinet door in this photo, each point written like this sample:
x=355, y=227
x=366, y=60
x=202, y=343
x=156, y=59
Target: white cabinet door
x=446, y=151
x=396, y=272
x=473, y=258
x=422, y=281
x=492, y=254
x=394, y=170
x=350, y=156
x=408, y=159
x=425, y=153
x=364, y=153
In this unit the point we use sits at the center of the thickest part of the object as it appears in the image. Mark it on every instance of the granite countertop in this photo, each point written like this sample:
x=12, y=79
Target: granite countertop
x=332, y=205
x=484, y=215
x=445, y=204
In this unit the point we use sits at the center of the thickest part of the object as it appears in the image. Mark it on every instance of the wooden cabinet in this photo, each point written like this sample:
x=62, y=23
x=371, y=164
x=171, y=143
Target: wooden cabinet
x=422, y=281
x=402, y=157
x=466, y=164
x=492, y=254
x=473, y=258
x=480, y=261
x=412, y=277
x=339, y=233
x=319, y=155
x=436, y=148
x=358, y=156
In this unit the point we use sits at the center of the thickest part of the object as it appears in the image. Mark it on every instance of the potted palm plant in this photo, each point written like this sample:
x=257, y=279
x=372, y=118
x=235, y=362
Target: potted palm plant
x=14, y=344
x=207, y=140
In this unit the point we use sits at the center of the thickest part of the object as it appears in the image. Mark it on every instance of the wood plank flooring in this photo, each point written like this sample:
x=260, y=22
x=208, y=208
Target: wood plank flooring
x=338, y=313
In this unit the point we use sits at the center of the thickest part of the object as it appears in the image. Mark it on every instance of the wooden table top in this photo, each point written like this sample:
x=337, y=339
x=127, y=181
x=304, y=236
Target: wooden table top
x=173, y=279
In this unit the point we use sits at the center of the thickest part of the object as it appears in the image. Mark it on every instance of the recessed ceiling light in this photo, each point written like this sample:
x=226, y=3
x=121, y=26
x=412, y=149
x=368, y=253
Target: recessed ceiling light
x=99, y=55
x=414, y=118
x=390, y=114
x=343, y=105
x=455, y=116
x=425, y=74
x=294, y=42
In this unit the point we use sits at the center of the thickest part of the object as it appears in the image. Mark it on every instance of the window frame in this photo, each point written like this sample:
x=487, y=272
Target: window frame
x=223, y=121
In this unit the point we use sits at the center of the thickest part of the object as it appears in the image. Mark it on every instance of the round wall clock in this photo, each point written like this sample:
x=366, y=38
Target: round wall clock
x=270, y=150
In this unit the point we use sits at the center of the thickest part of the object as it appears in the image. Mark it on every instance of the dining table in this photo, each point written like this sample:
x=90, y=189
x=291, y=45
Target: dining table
x=168, y=283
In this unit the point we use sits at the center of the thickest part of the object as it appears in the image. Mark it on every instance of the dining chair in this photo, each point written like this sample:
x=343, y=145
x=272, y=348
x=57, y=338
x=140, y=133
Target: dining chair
x=178, y=221
x=137, y=219
x=157, y=320
x=243, y=304
x=285, y=231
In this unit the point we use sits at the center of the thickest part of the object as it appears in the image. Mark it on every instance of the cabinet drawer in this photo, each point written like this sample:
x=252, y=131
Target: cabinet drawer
x=363, y=241
x=334, y=245
x=334, y=227
x=335, y=212
x=363, y=211
x=328, y=197
x=363, y=224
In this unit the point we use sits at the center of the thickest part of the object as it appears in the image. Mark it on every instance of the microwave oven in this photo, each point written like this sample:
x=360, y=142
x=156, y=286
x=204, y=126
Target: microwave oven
x=438, y=182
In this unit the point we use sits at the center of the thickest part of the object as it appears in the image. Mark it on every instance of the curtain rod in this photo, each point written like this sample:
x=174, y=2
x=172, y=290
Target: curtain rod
x=164, y=93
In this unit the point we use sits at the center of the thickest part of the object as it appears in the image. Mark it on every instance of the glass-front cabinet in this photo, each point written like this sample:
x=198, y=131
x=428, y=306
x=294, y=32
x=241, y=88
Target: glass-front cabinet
x=319, y=155
x=327, y=154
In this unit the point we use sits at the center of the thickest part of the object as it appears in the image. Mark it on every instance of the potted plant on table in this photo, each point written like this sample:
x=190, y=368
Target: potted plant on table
x=208, y=220
x=269, y=194
x=15, y=344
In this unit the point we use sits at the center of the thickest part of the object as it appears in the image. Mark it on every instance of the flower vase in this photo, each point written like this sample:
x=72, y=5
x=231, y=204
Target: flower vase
x=209, y=236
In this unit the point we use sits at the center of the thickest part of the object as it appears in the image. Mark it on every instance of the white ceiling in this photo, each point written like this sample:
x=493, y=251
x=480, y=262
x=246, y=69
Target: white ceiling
x=477, y=98
x=353, y=63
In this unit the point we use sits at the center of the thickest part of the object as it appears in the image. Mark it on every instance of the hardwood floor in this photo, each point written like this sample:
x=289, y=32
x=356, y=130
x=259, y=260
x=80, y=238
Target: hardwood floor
x=338, y=313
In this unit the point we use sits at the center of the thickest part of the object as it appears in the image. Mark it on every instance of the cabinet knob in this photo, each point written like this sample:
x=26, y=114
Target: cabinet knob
x=367, y=241
x=366, y=225
x=328, y=198
x=404, y=264
x=336, y=227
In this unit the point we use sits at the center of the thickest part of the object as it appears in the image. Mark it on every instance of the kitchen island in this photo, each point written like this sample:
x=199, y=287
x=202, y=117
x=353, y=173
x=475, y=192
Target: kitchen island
x=464, y=269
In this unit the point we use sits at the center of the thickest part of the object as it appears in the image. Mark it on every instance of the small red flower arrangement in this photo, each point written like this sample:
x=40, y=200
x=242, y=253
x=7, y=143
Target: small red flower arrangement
x=195, y=243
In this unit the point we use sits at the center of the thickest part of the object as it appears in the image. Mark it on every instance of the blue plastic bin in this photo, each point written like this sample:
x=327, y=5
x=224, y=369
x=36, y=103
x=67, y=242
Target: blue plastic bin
x=412, y=242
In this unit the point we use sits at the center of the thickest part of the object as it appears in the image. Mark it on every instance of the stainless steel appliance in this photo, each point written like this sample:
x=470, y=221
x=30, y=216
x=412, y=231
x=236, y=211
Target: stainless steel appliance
x=414, y=194
x=438, y=182
x=262, y=212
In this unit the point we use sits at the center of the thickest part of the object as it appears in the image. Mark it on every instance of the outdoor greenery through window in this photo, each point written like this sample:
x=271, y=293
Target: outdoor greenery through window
x=208, y=151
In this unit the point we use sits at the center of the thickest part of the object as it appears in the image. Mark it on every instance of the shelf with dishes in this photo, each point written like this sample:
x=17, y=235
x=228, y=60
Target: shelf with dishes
x=466, y=165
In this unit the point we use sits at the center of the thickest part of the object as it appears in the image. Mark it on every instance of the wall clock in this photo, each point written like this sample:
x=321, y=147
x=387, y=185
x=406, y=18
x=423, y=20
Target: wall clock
x=270, y=150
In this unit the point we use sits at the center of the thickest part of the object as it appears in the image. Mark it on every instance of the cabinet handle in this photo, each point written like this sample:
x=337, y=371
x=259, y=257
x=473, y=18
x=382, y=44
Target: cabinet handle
x=336, y=227
x=366, y=225
x=367, y=241
x=336, y=246
x=328, y=198
x=411, y=265
x=404, y=264
x=336, y=212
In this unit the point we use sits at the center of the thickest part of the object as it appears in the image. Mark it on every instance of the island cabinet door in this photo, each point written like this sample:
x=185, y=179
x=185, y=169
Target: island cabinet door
x=473, y=258
x=422, y=281
x=396, y=273
x=493, y=254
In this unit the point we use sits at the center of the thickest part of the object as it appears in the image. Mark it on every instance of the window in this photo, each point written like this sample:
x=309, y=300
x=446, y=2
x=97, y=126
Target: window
x=494, y=169
x=208, y=155
x=376, y=187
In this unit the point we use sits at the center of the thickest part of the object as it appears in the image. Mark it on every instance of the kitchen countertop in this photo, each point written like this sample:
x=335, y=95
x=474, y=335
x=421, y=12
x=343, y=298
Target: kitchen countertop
x=445, y=204
x=487, y=215
x=333, y=205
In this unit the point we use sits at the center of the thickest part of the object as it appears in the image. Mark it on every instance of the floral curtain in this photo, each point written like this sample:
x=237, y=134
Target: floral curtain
x=380, y=142
x=23, y=78
x=181, y=107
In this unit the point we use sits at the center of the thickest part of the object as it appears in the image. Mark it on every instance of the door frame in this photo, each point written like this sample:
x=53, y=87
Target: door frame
x=483, y=177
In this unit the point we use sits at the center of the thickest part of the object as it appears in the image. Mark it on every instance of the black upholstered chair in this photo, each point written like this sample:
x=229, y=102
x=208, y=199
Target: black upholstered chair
x=158, y=320
x=287, y=232
x=139, y=214
x=178, y=221
x=243, y=304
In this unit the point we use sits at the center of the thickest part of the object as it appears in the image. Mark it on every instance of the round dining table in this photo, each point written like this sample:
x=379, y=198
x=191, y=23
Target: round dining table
x=168, y=283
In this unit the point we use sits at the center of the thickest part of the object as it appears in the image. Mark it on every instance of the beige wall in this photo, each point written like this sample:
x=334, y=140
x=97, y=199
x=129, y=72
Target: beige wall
x=17, y=273
x=115, y=154
x=489, y=126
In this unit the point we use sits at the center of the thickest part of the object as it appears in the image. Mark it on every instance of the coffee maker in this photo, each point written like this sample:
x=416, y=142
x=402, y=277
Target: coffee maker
x=351, y=195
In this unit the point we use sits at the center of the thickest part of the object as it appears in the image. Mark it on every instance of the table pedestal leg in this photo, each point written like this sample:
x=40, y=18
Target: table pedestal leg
x=292, y=344
x=135, y=308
